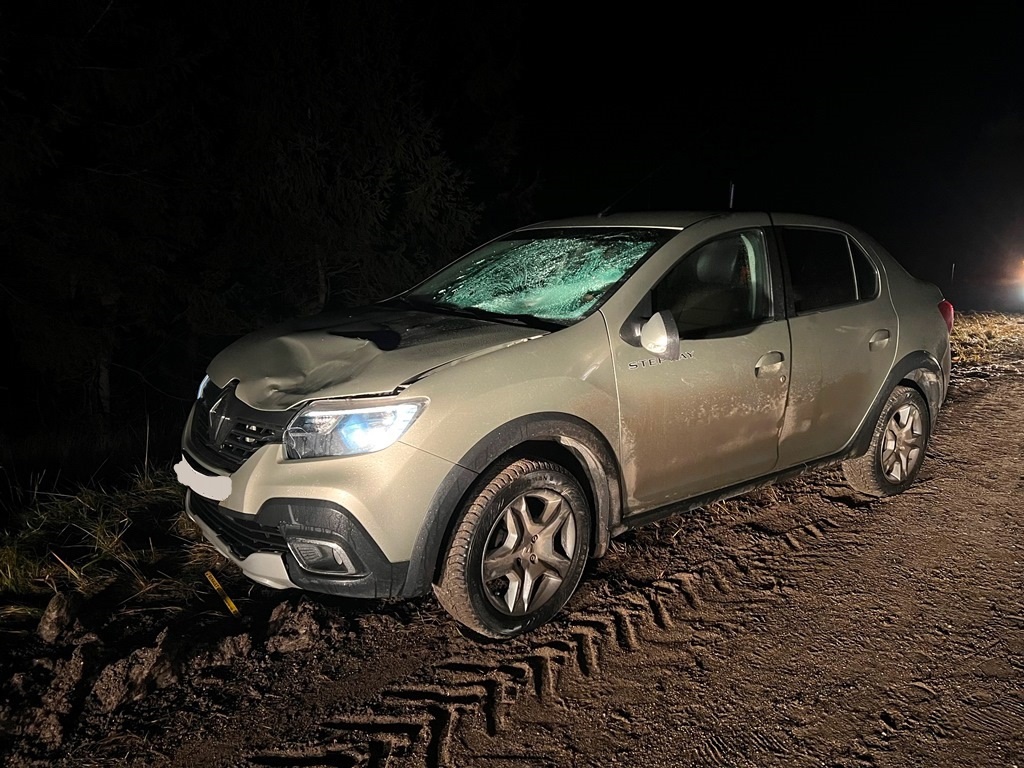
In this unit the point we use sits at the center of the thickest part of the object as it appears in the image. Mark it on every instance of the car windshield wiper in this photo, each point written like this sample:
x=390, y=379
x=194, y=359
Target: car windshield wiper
x=531, y=321
x=476, y=312
x=405, y=301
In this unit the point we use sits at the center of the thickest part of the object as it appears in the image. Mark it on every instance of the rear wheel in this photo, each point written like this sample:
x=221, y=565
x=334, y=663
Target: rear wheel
x=518, y=550
x=898, y=445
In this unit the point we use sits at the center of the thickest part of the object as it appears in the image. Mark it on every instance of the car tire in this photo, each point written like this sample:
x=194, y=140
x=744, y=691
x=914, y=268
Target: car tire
x=897, y=449
x=517, y=551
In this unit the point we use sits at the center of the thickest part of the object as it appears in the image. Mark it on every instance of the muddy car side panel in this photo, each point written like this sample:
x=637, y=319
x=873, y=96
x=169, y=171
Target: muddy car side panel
x=704, y=421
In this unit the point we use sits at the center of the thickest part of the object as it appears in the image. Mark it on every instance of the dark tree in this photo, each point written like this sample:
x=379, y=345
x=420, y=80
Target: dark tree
x=172, y=176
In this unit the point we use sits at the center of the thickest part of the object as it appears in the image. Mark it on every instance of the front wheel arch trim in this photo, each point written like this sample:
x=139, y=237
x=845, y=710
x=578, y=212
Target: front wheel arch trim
x=594, y=465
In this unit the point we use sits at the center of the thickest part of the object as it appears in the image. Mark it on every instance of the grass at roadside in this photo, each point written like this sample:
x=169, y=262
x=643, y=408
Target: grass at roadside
x=981, y=338
x=135, y=541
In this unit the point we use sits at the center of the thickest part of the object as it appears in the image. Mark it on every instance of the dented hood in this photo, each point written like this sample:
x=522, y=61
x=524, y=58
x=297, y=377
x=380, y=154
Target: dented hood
x=362, y=352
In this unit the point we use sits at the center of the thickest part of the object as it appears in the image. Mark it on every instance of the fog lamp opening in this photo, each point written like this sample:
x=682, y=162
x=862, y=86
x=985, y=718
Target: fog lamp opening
x=322, y=556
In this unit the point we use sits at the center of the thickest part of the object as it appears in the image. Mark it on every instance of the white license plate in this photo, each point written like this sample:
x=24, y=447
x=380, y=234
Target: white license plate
x=215, y=487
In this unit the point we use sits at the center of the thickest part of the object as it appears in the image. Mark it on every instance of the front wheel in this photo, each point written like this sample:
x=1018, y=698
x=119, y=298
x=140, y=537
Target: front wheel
x=518, y=550
x=897, y=449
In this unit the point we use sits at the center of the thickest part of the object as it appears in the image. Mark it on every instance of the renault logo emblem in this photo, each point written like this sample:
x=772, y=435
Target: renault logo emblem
x=218, y=422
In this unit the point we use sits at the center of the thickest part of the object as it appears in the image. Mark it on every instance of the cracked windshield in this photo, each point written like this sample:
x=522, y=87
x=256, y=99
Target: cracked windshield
x=550, y=276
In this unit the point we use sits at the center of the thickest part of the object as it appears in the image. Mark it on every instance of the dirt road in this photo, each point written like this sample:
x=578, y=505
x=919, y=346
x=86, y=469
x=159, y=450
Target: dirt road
x=800, y=626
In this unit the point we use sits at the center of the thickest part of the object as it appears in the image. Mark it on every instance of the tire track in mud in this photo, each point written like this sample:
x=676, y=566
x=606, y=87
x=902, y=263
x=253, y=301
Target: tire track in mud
x=422, y=720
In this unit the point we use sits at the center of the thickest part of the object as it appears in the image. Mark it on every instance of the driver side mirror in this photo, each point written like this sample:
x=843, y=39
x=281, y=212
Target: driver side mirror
x=660, y=336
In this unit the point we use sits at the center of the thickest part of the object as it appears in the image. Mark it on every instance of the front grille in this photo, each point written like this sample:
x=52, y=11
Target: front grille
x=241, y=533
x=235, y=431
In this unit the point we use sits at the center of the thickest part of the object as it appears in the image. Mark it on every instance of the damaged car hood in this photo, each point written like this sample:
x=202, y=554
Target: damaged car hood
x=362, y=352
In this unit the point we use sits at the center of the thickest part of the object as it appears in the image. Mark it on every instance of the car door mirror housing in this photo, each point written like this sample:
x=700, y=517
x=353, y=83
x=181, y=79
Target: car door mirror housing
x=660, y=336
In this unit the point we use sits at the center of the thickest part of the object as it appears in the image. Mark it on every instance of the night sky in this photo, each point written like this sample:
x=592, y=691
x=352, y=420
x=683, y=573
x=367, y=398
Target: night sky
x=910, y=126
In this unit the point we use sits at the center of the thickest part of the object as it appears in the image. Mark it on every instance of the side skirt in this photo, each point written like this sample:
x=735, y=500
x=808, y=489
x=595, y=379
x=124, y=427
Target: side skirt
x=696, y=502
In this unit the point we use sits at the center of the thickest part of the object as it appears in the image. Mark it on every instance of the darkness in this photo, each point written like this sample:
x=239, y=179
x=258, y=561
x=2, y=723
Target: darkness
x=175, y=175
x=911, y=127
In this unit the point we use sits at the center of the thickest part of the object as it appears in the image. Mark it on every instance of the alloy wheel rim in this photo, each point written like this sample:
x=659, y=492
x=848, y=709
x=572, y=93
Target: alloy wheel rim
x=902, y=443
x=529, y=552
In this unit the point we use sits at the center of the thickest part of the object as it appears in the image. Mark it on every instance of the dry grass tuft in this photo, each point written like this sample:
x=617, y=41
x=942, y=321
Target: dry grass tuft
x=982, y=338
x=134, y=538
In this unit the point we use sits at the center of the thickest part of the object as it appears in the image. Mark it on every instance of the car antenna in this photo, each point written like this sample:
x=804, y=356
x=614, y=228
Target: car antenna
x=732, y=192
x=628, y=192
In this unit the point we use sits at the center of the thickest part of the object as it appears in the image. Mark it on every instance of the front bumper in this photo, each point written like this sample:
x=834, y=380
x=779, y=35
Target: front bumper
x=357, y=526
x=264, y=546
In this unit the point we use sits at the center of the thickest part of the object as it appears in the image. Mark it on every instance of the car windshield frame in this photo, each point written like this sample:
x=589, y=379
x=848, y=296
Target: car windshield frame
x=550, y=276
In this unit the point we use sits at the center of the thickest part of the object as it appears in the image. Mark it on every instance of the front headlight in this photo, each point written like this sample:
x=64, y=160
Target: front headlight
x=330, y=428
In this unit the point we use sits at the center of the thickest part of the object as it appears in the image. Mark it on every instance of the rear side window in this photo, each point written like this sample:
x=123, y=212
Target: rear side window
x=826, y=269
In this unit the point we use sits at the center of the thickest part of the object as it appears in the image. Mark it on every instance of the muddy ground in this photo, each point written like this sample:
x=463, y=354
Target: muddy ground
x=802, y=625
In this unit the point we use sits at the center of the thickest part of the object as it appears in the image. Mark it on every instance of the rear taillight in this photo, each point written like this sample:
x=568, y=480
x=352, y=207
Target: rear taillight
x=946, y=310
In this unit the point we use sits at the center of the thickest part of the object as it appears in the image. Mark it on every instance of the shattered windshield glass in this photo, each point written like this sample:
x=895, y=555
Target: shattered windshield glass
x=555, y=275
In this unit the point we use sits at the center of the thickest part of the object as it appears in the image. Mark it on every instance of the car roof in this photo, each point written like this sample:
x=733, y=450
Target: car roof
x=677, y=220
x=665, y=219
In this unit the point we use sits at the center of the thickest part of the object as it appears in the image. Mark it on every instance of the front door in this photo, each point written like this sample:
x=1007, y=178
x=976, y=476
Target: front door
x=712, y=417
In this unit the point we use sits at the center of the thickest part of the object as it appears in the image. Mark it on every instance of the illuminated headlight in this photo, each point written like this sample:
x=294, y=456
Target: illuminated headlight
x=202, y=387
x=331, y=429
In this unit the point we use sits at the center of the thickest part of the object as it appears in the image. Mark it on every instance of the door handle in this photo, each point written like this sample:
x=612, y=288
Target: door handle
x=879, y=340
x=769, y=363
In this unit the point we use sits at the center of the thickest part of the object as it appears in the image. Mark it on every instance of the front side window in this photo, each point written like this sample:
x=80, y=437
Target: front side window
x=557, y=275
x=826, y=269
x=724, y=283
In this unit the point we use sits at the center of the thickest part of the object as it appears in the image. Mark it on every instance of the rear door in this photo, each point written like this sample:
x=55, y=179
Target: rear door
x=844, y=331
